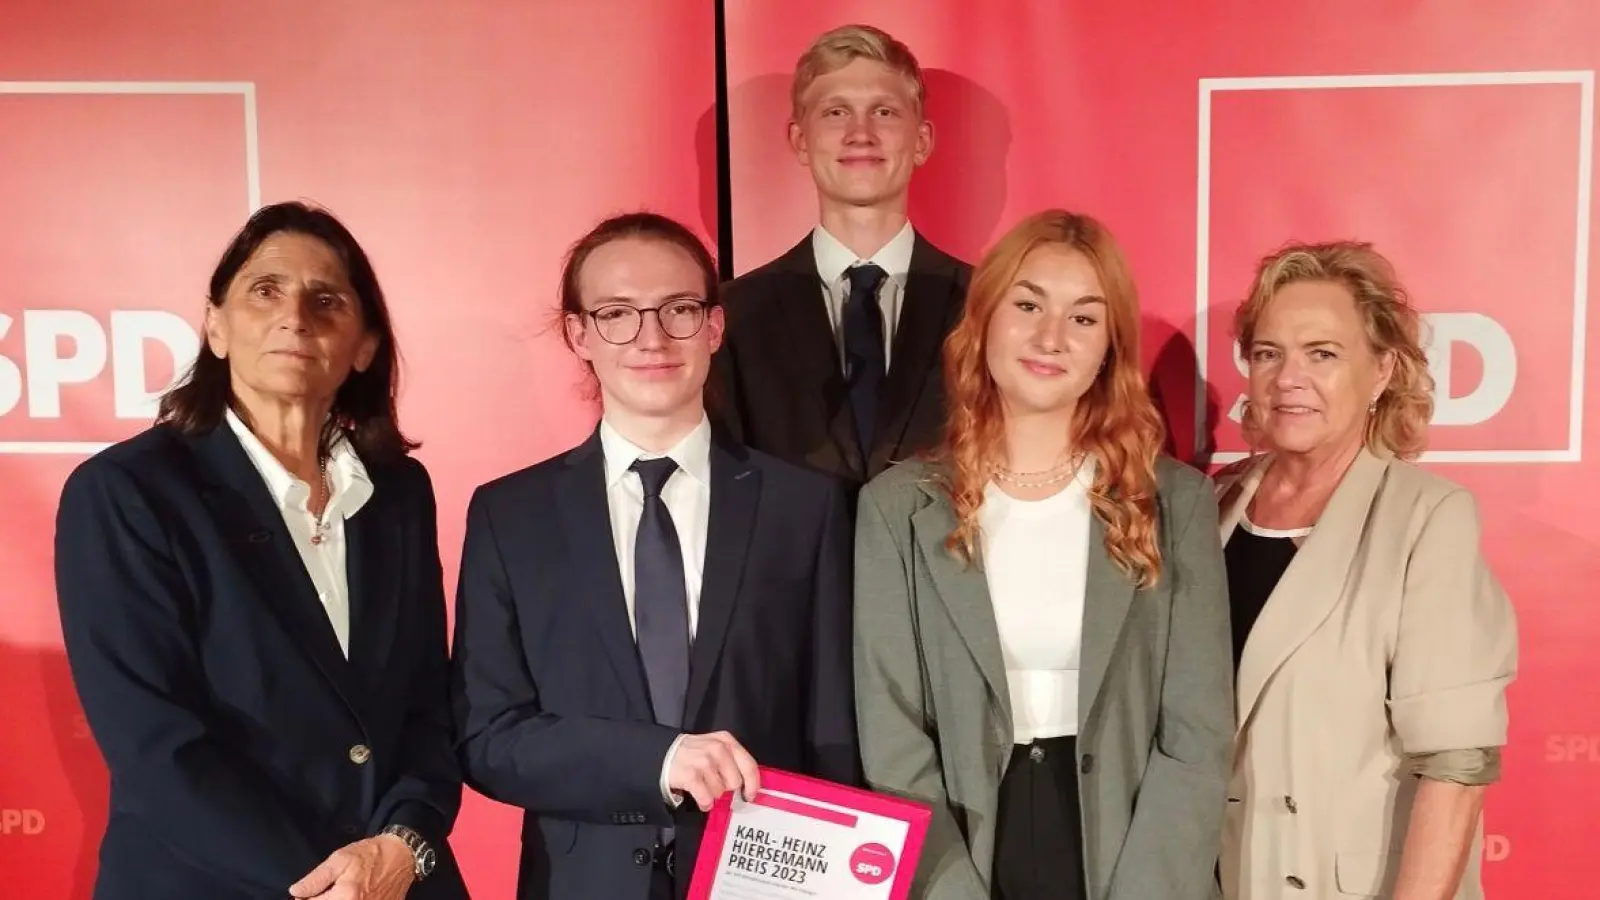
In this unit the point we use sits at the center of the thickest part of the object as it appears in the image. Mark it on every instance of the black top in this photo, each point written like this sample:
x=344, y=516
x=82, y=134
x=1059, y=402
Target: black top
x=1255, y=564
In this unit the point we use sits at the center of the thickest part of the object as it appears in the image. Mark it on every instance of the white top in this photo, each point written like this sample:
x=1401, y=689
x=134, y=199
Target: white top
x=687, y=495
x=1036, y=560
x=1258, y=531
x=834, y=260
x=325, y=562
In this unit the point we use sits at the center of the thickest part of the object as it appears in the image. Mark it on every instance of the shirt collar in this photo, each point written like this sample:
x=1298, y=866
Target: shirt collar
x=351, y=485
x=833, y=257
x=692, y=453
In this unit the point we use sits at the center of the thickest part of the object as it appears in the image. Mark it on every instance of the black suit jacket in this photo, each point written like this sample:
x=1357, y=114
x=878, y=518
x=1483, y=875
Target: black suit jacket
x=552, y=701
x=780, y=384
x=214, y=684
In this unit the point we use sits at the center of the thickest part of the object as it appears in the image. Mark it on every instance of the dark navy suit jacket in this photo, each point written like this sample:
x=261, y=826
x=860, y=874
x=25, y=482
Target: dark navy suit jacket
x=243, y=746
x=552, y=702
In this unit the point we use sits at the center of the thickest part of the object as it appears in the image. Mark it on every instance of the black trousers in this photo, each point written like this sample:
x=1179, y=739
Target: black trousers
x=1038, y=848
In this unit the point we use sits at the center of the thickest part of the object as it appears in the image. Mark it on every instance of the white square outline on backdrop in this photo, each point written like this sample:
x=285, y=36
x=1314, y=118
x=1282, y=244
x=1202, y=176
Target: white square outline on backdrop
x=244, y=89
x=1583, y=78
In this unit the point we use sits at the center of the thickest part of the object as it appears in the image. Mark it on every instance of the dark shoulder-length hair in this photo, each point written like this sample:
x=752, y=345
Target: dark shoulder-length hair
x=364, y=406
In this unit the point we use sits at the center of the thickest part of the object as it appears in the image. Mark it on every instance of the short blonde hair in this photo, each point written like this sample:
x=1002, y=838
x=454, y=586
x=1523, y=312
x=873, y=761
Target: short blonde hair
x=846, y=44
x=1400, y=422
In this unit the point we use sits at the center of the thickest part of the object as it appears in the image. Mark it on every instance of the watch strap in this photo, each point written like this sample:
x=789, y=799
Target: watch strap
x=421, y=852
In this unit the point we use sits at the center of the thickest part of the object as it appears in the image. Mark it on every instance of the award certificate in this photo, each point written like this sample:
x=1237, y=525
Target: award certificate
x=802, y=837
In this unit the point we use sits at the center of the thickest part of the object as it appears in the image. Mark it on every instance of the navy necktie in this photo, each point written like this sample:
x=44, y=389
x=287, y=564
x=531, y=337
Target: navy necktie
x=864, y=362
x=660, y=599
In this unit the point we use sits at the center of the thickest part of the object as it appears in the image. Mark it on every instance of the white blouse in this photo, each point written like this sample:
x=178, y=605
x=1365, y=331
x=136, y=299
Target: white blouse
x=1036, y=557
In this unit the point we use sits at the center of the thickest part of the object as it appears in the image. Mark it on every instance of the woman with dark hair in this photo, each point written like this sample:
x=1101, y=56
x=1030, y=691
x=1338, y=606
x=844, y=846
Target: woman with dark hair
x=253, y=606
x=1041, y=611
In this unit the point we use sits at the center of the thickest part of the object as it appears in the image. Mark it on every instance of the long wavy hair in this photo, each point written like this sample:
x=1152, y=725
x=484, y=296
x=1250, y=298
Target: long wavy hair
x=1115, y=421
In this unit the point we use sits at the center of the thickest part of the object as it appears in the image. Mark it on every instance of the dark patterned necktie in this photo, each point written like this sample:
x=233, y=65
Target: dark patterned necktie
x=660, y=598
x=865, y=365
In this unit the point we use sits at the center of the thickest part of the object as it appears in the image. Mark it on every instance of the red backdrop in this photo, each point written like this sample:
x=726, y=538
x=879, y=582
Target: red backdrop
x=467, y=143
x=1456, y=136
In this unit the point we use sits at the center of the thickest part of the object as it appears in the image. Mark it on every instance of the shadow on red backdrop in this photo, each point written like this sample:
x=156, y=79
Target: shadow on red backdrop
x=956, y=197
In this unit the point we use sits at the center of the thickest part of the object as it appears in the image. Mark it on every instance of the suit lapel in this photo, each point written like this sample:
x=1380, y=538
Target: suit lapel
x=1108, y=594
x=1314, y=583
x=1235, y=489
x=372, y=549
x=964, y=591
x=253, y=525
x=735, y=494
x=925, y=315
x=808, y=345
x=597, y=582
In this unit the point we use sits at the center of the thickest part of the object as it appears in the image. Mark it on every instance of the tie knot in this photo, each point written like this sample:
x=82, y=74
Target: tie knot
x=865, y=278
x=653, y=473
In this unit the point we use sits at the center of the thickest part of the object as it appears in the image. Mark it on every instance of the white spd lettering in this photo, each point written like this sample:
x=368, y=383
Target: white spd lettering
x=49, y=364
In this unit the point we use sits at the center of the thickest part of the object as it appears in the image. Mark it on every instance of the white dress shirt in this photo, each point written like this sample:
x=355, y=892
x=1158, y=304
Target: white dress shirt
x=325, y=562
x=1036, y=561
x=687, y=495
x=834, y=260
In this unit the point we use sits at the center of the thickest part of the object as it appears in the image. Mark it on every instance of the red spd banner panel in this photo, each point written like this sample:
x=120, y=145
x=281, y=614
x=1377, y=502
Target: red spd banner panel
x=1458, y=137
x=465, y=145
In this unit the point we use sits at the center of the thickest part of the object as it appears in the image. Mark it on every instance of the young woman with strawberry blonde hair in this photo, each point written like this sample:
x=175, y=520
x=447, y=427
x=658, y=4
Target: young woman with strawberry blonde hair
x=1042, y=631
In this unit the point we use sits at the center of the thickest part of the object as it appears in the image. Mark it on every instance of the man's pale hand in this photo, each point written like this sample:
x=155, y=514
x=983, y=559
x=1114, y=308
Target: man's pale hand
x=706, y=766
x=377, y=868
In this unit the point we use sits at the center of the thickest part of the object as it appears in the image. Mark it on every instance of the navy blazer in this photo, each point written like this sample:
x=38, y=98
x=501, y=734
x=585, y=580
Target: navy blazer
x=243, y=747
x=551, y=697
x=780, y=383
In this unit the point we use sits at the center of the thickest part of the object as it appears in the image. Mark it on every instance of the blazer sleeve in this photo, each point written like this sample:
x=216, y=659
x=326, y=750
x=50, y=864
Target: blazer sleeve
x=831, y=723
x=1175, y=836
x=427, y=795
x=127, y=619
x=1456, y=649
x=897, y=731
x=581, y=768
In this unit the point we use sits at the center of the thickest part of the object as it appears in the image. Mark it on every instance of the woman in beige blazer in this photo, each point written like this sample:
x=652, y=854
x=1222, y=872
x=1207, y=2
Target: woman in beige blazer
x=1041, y=621
x=1376, y=645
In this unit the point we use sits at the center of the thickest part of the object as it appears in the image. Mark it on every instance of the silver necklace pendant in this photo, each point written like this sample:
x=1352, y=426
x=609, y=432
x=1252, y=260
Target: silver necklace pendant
x=319, y=524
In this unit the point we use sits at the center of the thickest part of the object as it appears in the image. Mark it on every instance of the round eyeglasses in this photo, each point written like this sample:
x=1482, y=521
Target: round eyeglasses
x=620, y=323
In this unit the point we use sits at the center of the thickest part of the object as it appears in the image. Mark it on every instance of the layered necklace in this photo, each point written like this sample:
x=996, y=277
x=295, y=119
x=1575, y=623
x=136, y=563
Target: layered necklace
x=1054, y=475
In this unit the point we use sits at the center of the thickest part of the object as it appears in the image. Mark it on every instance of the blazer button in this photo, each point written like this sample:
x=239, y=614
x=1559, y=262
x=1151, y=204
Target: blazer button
x=641, y=857
x=1296, y=883
x=1289, y=802
x=1036, y=754
x=359, y=754
x=1088, y=764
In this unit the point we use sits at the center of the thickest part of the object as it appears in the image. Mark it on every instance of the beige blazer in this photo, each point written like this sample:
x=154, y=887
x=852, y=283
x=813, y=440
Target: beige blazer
x=1155, y=697
x=1387, y=636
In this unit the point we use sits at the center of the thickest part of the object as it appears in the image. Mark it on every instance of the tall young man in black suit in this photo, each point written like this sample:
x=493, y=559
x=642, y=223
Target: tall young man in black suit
x=831, y=357
x=645, y=618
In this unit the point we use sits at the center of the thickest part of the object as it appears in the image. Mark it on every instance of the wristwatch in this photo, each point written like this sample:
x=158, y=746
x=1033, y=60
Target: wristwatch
x=420, y=851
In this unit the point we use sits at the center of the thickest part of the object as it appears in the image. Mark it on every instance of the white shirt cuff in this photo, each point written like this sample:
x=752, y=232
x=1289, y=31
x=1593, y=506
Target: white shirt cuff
x=672, y=798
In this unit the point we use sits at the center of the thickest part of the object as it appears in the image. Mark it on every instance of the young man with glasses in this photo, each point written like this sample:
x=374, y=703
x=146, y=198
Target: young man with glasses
x=645, y=618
